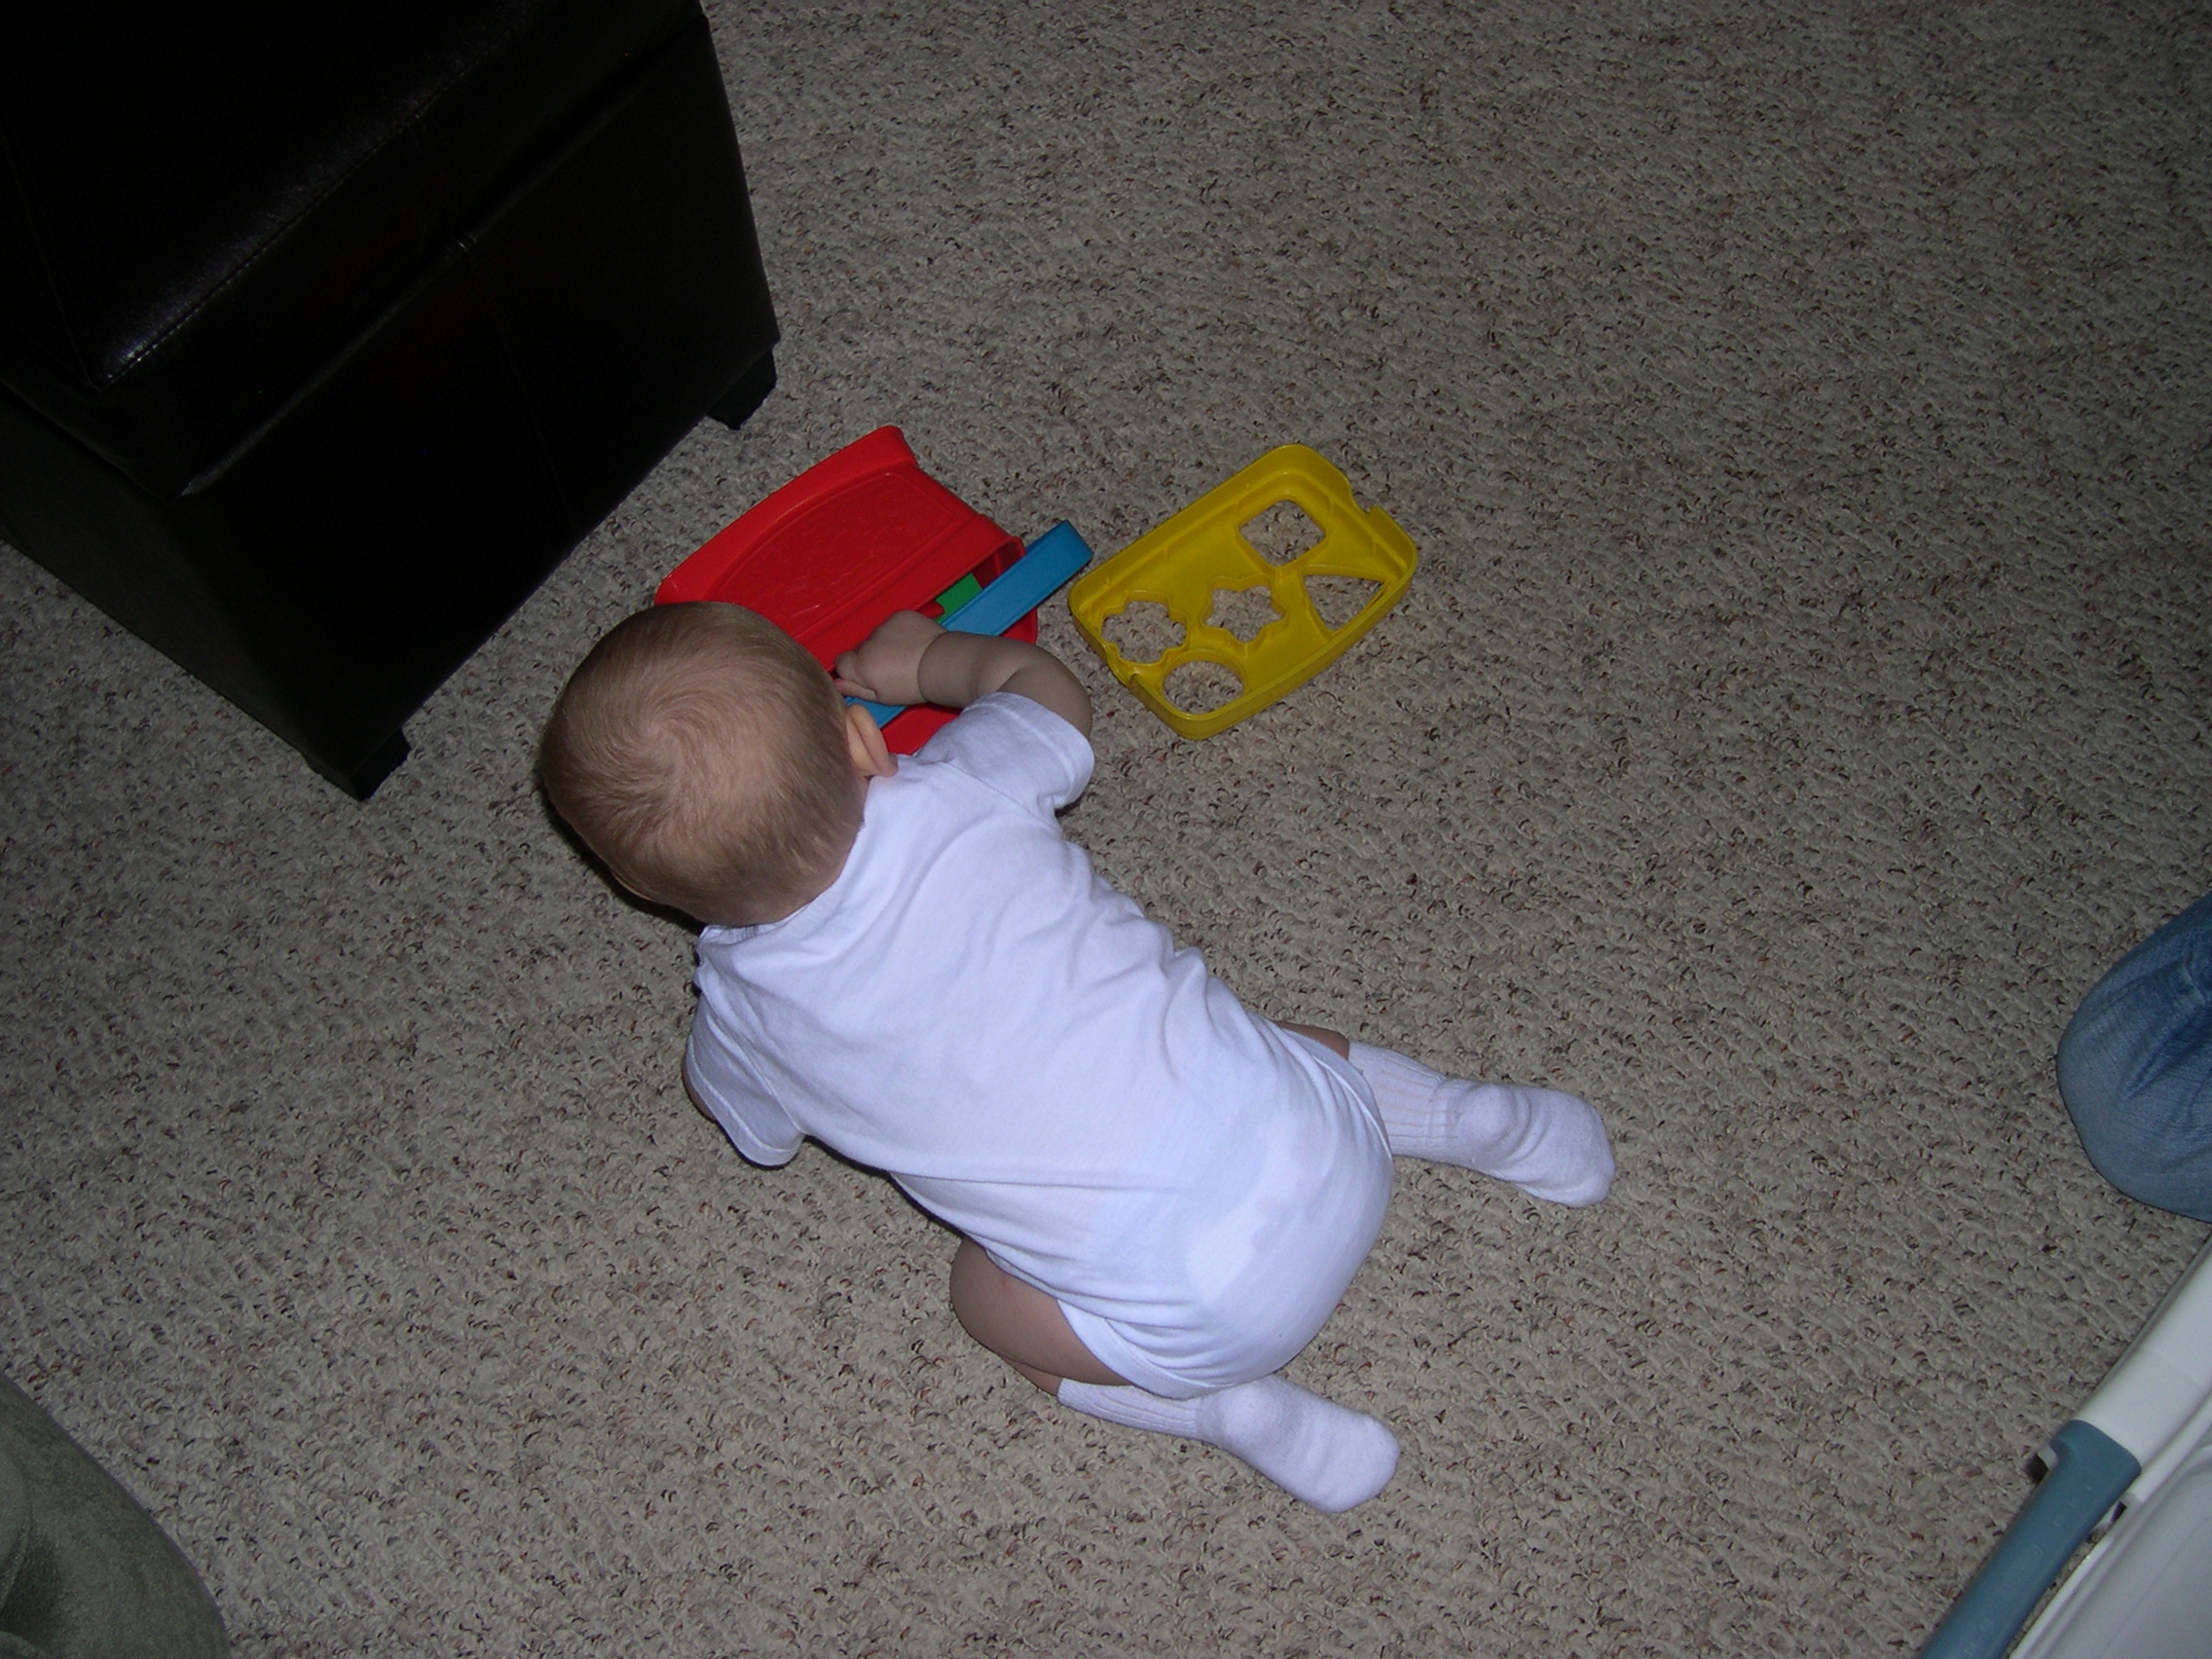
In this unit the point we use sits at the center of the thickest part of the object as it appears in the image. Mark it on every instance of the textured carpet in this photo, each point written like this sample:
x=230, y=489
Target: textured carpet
x=1803, y=415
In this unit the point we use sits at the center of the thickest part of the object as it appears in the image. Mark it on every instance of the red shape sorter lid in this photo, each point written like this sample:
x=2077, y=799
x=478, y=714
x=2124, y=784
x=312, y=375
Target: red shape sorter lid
x=841, y=546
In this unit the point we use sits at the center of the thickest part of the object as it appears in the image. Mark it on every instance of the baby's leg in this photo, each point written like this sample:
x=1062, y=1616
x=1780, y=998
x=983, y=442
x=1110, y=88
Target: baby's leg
x=1019, y=1323
x=1317, y=1451
x=1549, y=1144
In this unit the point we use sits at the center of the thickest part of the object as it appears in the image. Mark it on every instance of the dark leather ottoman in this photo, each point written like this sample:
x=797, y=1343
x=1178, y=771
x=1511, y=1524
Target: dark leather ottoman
x=326, y=332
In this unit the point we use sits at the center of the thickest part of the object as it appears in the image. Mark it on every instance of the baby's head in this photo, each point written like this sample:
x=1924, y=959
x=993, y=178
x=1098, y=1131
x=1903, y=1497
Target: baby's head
x=709, y=760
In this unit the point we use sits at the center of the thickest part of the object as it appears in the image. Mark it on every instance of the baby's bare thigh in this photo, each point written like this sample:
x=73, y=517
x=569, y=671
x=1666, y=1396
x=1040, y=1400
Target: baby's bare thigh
x=1019, y=1323
x=1336, y=1041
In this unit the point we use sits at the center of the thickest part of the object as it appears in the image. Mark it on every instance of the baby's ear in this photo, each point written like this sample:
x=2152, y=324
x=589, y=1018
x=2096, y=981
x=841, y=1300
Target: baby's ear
x=864, y=741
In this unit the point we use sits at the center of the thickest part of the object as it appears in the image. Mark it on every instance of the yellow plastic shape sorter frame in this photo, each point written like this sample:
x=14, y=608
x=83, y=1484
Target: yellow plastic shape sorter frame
x=1203, y=549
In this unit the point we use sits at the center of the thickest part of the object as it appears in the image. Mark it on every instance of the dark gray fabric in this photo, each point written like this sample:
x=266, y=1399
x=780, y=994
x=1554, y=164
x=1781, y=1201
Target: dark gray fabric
x=84, y=1573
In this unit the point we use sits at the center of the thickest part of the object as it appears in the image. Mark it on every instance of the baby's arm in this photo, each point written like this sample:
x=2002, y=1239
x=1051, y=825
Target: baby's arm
x=910, y=659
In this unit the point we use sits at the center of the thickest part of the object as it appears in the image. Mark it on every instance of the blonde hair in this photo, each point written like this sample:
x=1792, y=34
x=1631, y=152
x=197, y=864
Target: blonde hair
x=701, y=752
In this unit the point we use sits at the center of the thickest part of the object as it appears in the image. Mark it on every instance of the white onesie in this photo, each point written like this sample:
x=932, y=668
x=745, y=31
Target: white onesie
x=971, y=1010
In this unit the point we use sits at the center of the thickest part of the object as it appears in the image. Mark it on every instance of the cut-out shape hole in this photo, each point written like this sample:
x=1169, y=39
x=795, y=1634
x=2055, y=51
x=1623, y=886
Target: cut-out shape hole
x=1339, y=599
x=1244, y=612
x=1282, y=532
x=1143, y=631
x=1198, y=687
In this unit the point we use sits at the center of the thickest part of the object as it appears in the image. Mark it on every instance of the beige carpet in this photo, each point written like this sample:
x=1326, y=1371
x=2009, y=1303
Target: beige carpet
x=1803, y=416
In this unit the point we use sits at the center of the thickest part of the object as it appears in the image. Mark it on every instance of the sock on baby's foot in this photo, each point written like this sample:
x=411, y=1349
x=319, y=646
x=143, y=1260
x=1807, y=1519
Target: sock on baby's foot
x=1317, y=1451
x=1549, y=1144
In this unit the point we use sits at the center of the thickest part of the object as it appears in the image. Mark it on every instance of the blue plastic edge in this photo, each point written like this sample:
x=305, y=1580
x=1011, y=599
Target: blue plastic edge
x=1022, y=587
x=2089, y=1473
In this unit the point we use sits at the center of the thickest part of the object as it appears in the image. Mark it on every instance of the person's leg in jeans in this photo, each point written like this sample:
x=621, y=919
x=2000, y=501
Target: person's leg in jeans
x=2135, y=1068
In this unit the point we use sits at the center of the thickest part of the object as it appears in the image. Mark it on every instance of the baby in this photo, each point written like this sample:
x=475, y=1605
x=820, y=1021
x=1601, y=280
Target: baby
x=1160, y=1194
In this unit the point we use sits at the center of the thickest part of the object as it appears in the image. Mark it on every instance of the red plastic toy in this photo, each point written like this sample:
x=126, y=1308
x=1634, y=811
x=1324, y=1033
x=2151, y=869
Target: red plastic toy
x=851, y=540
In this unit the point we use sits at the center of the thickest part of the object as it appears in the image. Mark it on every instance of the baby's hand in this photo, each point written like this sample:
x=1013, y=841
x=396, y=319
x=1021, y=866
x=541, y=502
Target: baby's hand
x=887, y=667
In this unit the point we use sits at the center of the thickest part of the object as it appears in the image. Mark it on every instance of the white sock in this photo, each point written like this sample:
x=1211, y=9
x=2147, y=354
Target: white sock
x=1317, y=1451
x=1550, y=1145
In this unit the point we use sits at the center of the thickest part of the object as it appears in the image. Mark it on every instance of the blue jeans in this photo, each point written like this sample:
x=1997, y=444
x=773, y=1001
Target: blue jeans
x=2135, y=1067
